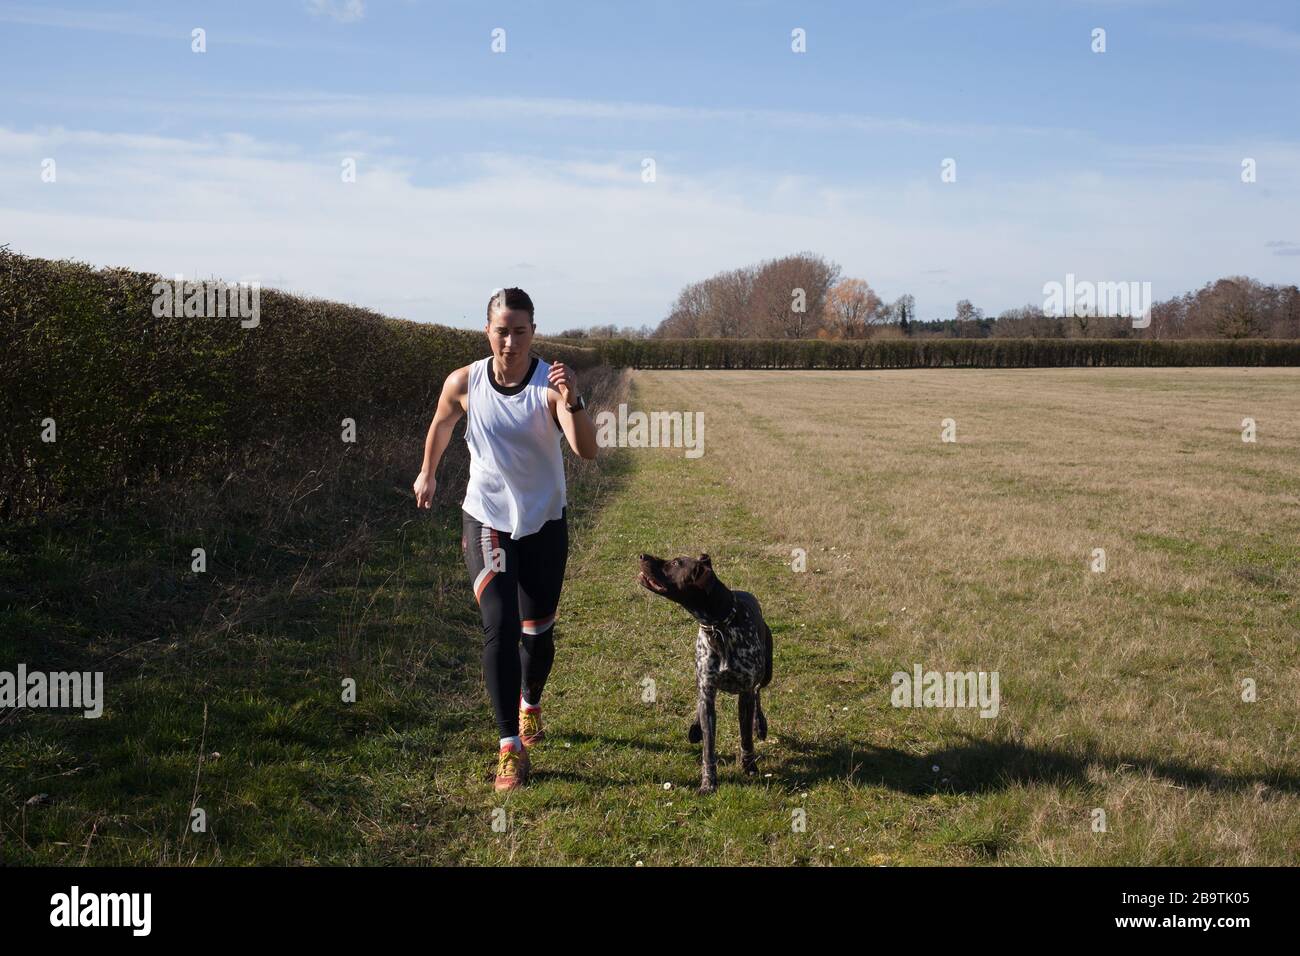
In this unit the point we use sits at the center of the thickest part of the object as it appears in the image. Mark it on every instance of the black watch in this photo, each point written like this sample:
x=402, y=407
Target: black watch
x=577, y=406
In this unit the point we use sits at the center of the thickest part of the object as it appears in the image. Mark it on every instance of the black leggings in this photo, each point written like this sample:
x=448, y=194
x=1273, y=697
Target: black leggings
x=517, y=585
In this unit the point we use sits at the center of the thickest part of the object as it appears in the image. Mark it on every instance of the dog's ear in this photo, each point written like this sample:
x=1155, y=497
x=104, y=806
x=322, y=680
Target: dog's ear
x=702, y=573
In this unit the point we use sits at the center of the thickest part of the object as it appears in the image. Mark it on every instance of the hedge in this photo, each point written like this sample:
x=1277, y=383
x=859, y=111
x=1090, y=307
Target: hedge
x=941, y=353
x=136, y=399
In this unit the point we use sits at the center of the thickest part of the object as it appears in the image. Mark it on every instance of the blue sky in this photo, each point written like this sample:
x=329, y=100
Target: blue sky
x=478, y=169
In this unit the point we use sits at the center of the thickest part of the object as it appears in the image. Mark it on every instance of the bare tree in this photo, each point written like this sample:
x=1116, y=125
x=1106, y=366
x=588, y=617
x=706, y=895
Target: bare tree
x=903, y=313
x=789, y=298
x=1168, y=319
x=731, y=298
x=1234, y=307
x=1286, y=318
x=851, y=308
x=688, y=315
x=968, y=320
x=1028, y=321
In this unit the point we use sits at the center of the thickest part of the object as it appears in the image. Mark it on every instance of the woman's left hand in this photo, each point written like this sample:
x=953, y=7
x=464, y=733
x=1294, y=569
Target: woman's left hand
x=562, y=378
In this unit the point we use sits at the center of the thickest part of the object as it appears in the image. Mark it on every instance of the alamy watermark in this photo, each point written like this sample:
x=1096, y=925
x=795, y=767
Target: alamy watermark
x=651, y=430
x=75, y=908
x=77, y=690
x=923, y=688
x=177, y=299
x=1085, y=299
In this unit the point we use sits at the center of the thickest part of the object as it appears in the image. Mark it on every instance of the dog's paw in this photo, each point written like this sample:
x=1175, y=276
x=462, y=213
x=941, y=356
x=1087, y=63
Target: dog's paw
x=707, y=788
x=749, y=764
x=695, y=735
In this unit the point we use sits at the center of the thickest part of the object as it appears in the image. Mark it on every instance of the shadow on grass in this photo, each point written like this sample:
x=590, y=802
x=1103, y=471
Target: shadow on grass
x=980, y=766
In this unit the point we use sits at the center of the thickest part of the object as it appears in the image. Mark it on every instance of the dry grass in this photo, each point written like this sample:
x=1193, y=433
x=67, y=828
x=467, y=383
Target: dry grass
x=975, y=556
x=1119, y=690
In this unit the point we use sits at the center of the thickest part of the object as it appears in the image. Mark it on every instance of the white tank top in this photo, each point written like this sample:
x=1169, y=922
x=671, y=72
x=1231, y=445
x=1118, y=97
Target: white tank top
x=516, y=466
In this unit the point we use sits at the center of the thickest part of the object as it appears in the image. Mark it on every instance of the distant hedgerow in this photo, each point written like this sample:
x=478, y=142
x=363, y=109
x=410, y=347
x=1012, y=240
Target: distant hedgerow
x=941, y=353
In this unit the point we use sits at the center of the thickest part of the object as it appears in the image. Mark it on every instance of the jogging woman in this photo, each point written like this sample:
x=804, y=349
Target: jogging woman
x=515, y=513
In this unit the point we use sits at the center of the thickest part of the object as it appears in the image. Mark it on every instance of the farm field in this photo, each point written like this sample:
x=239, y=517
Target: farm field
x=1121, y=690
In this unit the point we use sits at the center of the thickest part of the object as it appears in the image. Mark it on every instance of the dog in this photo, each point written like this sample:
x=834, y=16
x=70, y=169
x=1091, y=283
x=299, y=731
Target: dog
x=733, y=651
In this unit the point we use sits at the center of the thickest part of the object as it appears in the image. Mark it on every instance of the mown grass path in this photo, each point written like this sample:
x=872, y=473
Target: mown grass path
x=615, y=782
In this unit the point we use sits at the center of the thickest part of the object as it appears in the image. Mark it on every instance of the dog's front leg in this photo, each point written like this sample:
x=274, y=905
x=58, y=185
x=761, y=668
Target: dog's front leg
x=708, y=727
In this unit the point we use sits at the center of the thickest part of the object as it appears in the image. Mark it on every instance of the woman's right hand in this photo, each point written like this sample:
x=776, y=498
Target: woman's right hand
x=425, y=484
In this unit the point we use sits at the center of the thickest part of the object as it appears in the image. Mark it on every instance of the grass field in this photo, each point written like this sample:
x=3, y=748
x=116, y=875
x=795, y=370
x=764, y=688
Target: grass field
x=1121, y=690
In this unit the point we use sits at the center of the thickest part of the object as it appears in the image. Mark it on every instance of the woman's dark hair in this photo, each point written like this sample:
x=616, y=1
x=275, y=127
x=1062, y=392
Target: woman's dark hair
x=511, y=298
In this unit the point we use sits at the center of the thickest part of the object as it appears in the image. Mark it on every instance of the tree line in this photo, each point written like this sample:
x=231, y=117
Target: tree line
x=805, y=296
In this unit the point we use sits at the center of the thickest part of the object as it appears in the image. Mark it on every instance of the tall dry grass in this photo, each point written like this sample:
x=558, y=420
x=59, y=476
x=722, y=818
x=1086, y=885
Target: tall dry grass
x=1123, y=687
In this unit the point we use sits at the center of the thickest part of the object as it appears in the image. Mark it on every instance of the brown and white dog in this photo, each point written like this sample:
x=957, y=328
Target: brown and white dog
x=733, y=651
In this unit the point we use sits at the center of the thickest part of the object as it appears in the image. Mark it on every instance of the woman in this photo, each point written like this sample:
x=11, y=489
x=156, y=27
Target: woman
x=516, y=538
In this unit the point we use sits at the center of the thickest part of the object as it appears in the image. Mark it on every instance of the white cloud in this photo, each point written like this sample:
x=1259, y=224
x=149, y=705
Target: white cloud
x=600, y=245
x=406, y=108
